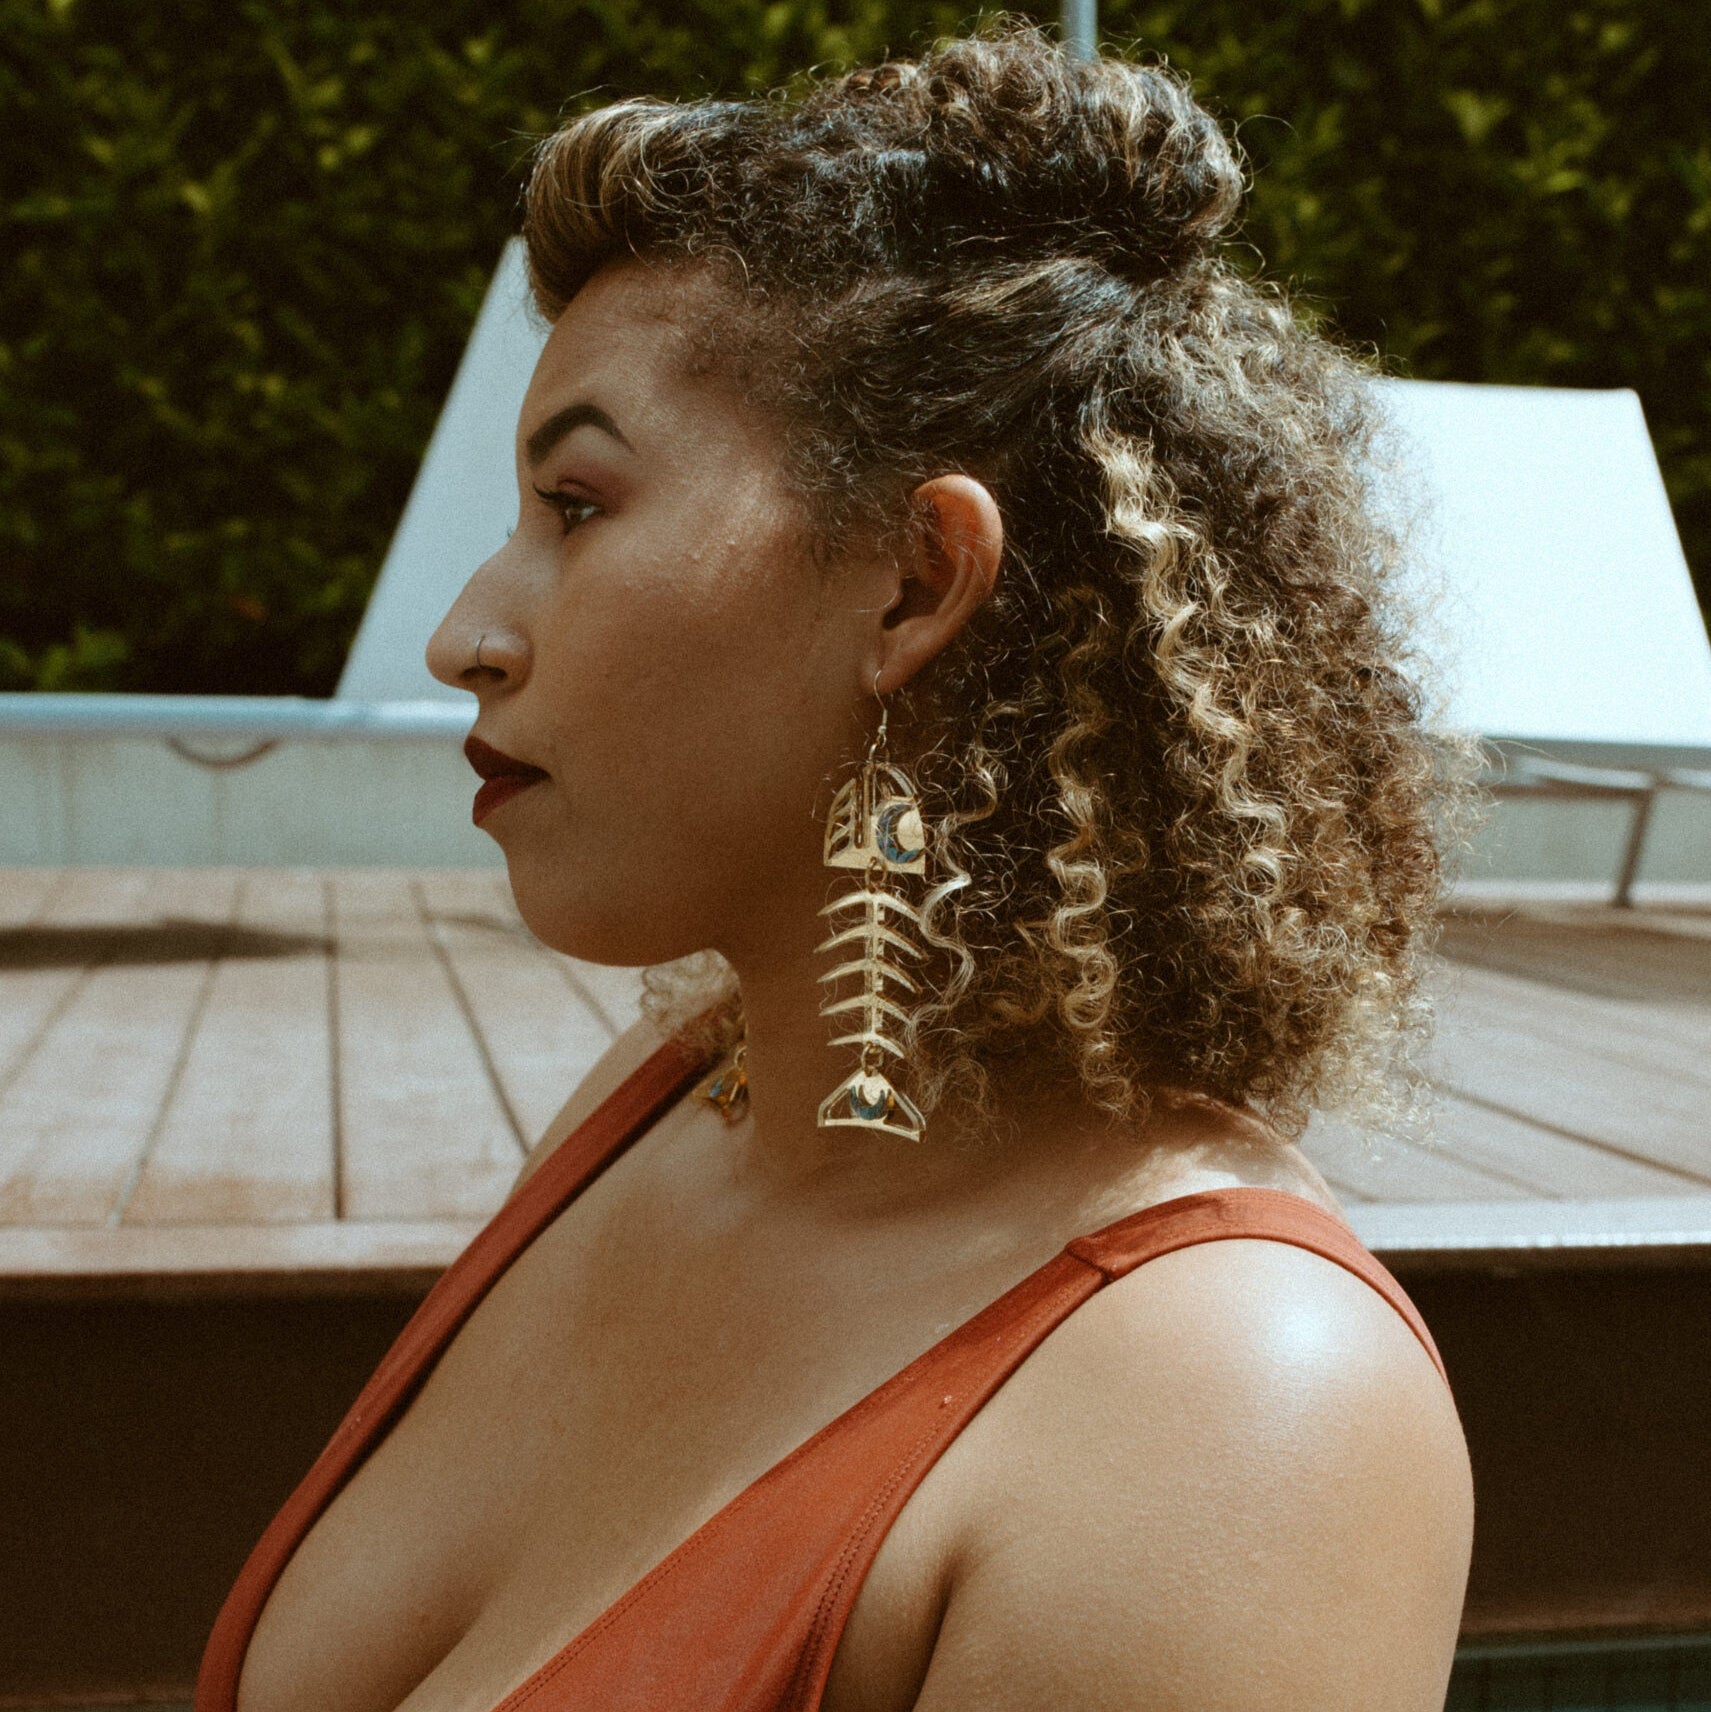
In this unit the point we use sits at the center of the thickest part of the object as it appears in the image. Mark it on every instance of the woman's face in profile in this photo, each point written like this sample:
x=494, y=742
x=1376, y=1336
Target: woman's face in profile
x=655, y=639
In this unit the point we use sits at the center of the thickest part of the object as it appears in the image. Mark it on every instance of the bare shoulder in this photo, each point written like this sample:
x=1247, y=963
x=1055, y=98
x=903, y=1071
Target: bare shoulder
x=628, y=1052
x=1233, y=1479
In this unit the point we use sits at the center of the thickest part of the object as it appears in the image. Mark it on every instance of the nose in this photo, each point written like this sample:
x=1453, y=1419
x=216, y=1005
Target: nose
x=495, y=657
x=476, y=650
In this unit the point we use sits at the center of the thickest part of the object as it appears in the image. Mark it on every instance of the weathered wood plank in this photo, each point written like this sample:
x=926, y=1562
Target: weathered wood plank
x=25, y=892
x=452, y=1021
x=45, y=959
x=1680, y=923
x=1621, y=955
x=541, y=1033
x=1362, y=1168
x=424, y=1134
x=33, y=983
x=613, y=993
x=1558, y=1167
x=79, y=1113
x=248, y=1134
x=1517, y=1048
x=327, y=1256
x=1651, y=1039
x=196, y=1260
x=1644, y=1230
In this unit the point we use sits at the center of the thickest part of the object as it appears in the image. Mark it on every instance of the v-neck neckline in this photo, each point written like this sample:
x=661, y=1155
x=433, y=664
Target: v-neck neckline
x=536, y=1226
x=1062, y=1261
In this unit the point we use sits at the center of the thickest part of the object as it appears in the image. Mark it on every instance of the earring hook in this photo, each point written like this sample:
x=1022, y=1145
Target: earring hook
x=884, y=714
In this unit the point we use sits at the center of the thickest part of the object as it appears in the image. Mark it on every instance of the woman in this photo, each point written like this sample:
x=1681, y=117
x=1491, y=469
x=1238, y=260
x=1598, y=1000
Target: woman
x=912, y=437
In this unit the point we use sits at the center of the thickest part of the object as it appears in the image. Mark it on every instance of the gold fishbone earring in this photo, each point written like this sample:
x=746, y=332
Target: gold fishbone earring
x=874, y=826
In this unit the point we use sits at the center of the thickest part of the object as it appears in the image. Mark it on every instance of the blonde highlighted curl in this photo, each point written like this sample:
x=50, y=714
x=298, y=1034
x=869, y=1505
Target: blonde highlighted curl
x=1176, y=767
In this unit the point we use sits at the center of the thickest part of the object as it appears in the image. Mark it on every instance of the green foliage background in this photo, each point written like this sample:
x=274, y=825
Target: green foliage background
x=243, y=244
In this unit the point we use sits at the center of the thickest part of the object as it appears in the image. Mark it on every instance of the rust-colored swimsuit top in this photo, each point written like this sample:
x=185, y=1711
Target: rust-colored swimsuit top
x=746, y=1614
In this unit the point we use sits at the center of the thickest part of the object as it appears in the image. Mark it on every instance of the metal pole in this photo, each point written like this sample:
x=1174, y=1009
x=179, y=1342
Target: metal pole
x=1080, y=21
x=1634, y=849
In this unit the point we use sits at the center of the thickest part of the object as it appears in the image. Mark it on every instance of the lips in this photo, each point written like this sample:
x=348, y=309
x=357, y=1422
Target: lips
x=502, y=776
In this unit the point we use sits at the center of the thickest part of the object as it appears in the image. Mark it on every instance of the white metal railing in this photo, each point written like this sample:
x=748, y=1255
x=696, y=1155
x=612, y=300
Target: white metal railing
x=228, y=717
x=260, y=723
x=1568, y=781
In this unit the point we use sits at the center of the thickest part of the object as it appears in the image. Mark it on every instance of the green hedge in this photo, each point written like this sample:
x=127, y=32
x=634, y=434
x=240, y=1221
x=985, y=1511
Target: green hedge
x=243, y=246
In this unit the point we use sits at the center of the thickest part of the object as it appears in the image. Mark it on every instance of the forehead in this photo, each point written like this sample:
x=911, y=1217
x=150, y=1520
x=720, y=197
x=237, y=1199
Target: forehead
x=628, y=342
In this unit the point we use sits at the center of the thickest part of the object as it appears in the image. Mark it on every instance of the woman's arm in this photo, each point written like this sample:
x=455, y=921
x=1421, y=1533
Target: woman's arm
x=1233, y=1482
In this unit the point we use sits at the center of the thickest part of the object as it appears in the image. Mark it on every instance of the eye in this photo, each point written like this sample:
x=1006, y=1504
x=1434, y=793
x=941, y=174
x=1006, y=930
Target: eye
x=566, y=505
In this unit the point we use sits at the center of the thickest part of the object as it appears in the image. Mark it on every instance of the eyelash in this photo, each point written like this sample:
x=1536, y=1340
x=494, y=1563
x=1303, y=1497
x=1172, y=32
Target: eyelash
x=565, y=503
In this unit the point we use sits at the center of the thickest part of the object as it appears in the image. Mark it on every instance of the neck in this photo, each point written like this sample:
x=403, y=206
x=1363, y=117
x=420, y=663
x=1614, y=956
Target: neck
x=792, y=1068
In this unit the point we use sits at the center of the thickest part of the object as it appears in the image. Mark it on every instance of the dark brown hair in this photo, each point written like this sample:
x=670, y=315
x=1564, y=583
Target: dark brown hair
x=1182, y=799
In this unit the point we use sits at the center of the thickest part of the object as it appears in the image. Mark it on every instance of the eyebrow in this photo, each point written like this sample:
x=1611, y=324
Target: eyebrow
x=561, y=422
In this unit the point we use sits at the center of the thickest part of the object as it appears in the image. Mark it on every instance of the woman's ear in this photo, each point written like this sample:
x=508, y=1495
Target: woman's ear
x=951, y=569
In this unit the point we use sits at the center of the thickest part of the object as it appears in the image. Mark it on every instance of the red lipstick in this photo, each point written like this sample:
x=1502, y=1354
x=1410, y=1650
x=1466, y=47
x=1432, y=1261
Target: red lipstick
x=502, y=775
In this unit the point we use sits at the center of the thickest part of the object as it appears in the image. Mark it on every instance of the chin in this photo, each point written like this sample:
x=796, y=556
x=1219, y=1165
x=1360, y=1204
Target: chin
x=596, y=920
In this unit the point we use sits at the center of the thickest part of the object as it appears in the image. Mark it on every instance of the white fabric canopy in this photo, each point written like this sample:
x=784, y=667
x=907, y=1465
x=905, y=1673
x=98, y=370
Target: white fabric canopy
x=463, y=502
x=1562, y=605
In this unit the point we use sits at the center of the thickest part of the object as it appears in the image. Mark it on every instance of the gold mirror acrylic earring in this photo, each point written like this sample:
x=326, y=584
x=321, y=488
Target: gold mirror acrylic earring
x=727, y=1090
x=874, y=827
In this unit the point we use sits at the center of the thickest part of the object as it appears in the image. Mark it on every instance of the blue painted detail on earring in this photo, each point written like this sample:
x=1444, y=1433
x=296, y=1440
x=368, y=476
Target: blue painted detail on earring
x=898, y=832
x=871, y=1098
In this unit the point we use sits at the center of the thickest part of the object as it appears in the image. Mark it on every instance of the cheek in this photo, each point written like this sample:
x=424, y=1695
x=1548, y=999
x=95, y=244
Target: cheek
x=694, y=709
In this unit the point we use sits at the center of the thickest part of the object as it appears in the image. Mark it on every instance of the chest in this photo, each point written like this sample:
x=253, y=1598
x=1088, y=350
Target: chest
x=618, y=1386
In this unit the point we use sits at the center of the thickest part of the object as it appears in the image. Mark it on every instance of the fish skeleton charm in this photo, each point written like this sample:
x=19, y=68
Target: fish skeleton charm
x=875, y=828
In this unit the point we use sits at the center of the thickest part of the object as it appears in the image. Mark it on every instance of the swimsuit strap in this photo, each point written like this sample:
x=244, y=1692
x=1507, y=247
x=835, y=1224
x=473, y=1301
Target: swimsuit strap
x=624, y=1115
x=942, y=1392
x=746, y=1614
x=1274, y=1215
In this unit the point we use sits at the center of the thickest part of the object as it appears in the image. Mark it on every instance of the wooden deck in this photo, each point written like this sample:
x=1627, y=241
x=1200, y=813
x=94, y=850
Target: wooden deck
x=273, y=1075
x=284, y=1079
x=246, y=1117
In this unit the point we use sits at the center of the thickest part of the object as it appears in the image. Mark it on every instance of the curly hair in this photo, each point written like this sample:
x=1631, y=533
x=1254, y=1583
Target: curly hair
x=1190, y=820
